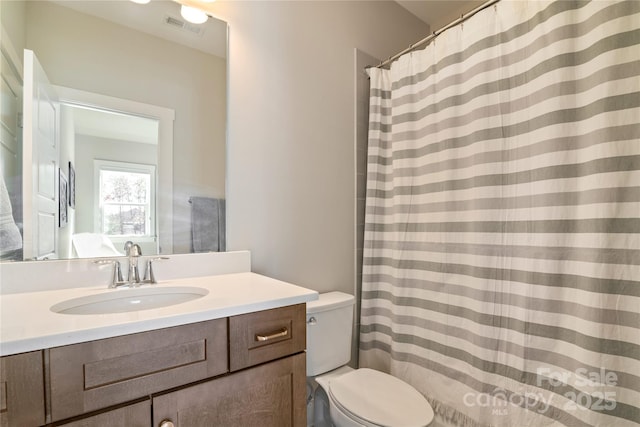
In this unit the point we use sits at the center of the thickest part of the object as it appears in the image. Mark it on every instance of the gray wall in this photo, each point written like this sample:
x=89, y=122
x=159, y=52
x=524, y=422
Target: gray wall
x=291, y=155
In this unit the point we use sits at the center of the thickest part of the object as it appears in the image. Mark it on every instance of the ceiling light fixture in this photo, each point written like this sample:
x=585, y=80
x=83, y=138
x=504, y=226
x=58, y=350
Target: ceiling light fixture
x=193, y=15
x=141, y=1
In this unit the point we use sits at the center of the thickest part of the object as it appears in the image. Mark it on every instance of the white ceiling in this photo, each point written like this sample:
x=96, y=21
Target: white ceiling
x=439, y=13
x=114, y=126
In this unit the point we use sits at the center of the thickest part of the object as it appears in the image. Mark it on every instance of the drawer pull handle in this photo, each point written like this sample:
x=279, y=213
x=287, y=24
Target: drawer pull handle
x=281, y=333
x=166, y=423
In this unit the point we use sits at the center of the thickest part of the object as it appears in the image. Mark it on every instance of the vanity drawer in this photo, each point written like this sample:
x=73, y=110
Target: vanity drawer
x=97, y=374
x=262, y=336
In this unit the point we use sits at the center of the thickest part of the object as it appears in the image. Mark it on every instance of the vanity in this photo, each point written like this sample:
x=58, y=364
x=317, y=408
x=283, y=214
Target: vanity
x=231, y=357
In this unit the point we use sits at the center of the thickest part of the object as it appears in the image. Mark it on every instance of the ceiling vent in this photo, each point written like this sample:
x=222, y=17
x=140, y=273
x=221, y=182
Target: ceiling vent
x=183, y=25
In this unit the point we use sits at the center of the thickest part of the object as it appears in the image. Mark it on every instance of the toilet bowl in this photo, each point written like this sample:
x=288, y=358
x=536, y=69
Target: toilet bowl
x=370, y=398
x=347, y=397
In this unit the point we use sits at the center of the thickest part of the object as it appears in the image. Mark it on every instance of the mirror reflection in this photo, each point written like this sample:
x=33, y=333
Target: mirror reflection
x=113, y=130
x=116, y=158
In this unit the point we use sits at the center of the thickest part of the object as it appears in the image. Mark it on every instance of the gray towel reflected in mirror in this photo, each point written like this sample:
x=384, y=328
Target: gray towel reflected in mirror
x=207, y=224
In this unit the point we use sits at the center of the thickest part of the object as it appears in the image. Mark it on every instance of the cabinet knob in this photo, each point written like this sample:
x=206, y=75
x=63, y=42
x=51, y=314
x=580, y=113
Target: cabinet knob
x=166, y=423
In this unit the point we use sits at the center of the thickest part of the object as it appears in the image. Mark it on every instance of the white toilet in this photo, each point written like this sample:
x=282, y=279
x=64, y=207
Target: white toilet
x=348, y=397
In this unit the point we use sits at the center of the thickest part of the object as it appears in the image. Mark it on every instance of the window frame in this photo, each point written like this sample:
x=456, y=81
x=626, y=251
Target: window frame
x=119, y=166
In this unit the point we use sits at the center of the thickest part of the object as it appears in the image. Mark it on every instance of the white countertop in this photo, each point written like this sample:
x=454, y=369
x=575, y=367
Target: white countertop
x=27, y=323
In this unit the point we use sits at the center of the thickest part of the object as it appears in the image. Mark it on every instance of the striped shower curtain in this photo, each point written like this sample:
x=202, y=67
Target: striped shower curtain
x=501, y=272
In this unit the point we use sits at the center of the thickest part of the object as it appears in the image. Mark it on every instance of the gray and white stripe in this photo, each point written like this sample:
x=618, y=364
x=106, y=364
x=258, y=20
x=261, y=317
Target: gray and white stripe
x=502, y=235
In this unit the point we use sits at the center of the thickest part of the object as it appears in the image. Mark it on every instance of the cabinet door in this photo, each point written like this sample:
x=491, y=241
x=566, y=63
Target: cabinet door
x=21, y=390
x=270, y=395
x=136, y=415
x=90, y=376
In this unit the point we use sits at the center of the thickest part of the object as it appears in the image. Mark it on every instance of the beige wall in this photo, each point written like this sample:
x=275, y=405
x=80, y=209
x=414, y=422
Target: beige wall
x=12, y=15
x=88, y=53
x=291, y=154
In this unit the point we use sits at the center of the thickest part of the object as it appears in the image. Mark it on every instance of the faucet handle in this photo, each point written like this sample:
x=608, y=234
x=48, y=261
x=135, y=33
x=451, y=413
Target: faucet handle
x=132, y=249
x=148, y=274
x=117, y=270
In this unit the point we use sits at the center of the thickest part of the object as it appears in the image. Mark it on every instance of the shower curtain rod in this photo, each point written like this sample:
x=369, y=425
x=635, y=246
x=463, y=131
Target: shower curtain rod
x=435, y=34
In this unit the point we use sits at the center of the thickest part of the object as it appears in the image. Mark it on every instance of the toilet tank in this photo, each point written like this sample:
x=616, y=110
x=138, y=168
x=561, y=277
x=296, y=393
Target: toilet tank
x=329, y=325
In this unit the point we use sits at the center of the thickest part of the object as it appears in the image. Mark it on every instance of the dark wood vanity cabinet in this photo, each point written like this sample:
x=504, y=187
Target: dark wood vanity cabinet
x=247, y=370
x=22, y=390
x=269, y=395
x=267, y=387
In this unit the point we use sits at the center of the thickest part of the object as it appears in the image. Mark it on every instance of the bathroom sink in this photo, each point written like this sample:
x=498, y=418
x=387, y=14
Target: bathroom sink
x=126, y=300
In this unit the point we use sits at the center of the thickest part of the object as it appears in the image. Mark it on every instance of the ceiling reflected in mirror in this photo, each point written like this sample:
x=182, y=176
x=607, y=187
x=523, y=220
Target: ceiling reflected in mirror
x=160, y=19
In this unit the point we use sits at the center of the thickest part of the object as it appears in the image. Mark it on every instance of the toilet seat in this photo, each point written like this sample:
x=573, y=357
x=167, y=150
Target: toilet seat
x=371, y=397
x=343, y=418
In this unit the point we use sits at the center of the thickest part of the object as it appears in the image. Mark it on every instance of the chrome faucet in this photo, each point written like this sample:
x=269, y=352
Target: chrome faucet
x=133, y=252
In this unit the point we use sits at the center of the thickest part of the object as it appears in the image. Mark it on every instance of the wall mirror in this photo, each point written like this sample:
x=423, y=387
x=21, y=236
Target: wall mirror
x=129, y=130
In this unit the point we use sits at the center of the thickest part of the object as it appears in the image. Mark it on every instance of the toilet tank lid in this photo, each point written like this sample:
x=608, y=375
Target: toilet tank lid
x=329, y=301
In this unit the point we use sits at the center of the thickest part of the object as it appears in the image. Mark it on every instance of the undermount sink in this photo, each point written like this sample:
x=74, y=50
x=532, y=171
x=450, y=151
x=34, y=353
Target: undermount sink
x=126, y=300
